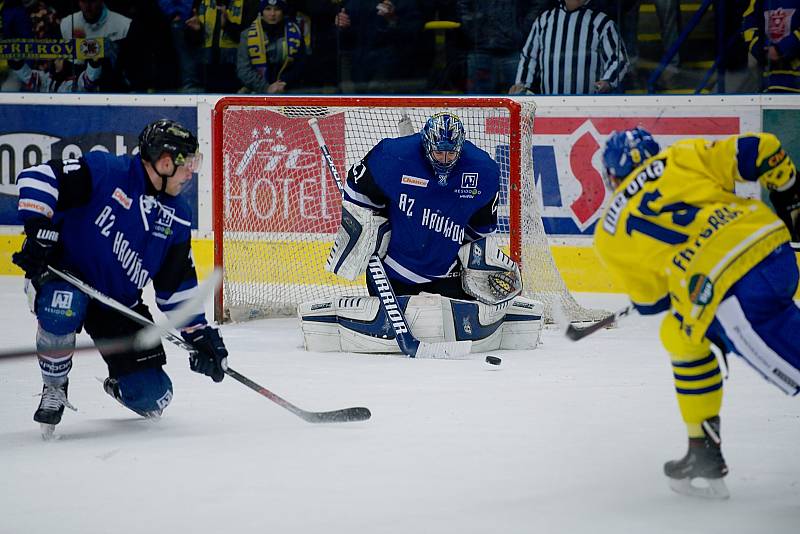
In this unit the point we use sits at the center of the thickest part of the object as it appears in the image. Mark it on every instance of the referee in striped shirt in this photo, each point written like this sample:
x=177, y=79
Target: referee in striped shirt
x=571, y=50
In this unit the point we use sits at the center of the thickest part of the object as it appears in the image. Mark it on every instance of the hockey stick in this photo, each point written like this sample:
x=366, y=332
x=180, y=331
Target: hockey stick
x=409, y=345
x=144, y=338
x=336, y=416
x=576, y=333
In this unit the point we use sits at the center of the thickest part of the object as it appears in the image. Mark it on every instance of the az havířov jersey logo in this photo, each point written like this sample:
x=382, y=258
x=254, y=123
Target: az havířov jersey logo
x=62, y=300
x=469, y=185
x=163, y=225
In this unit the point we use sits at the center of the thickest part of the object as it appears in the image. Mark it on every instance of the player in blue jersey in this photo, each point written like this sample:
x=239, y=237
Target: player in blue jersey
x=426, y=203
x=418, y=200
x=116, y=222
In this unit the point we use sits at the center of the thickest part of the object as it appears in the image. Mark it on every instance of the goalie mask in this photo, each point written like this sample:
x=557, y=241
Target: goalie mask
x=444, y=133
x=624, y=151
x=168, y=136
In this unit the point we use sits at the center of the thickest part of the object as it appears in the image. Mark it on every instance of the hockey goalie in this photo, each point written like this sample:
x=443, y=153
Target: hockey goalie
x=426, y=203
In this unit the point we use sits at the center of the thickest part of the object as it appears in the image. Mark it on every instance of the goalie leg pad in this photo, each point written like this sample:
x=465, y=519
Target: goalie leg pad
x=361, y=233
x=523, y=324
x=509, y=325
x=357, y=324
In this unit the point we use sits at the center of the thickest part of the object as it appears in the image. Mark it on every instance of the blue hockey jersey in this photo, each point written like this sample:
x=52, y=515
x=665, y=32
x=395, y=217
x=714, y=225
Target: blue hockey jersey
x=429, y=219
x=117, y=231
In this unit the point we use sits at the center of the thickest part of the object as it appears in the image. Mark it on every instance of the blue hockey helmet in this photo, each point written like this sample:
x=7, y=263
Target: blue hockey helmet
x=626, y=150
x=443, y=132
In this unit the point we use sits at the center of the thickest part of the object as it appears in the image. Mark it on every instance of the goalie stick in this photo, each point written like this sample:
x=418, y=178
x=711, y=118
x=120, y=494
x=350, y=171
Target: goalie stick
x=409, y=345
x=335, y=416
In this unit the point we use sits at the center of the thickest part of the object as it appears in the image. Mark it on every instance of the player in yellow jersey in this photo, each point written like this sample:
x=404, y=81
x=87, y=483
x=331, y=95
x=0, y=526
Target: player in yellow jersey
x=678, y=239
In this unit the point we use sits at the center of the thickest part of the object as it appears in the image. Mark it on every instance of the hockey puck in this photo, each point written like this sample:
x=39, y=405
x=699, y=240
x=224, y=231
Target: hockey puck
x=493, y=360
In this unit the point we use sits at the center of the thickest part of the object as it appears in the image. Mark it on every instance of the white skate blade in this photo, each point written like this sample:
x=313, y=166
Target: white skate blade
x=453, y=350
x=710, y=488
x=48, y=431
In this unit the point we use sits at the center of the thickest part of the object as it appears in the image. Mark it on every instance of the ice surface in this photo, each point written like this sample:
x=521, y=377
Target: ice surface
x=569, y=438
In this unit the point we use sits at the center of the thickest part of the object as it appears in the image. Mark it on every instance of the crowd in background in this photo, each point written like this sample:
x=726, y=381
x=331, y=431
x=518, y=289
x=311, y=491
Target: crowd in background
x=387, y=46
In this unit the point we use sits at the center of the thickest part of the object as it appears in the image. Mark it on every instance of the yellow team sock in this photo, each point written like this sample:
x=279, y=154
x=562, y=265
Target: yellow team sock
x=698, y=386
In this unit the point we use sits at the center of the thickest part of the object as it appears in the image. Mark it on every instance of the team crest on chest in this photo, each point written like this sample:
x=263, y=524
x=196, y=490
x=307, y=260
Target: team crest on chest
x=469, y=185
x=779, y=23
x=163, y=226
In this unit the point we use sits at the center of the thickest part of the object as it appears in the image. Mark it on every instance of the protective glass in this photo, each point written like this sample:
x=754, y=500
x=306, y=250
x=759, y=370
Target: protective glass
x=193, y=162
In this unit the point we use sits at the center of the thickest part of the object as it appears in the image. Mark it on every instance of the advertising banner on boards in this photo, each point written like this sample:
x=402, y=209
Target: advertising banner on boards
x=277, y=182
x=31, y=135
x=567, y=152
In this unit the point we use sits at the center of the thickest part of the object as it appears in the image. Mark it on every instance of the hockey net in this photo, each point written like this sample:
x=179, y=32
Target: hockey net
x=276, y=206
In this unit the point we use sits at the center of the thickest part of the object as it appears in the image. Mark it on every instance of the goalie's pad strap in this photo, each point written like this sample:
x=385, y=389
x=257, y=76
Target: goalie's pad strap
x=487, y=273
x=361, y=233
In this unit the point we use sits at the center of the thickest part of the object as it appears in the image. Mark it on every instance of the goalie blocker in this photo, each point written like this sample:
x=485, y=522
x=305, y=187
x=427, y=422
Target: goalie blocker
x=357, y=324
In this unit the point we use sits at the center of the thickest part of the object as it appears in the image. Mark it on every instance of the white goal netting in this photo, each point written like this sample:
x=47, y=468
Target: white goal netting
x=277, y=206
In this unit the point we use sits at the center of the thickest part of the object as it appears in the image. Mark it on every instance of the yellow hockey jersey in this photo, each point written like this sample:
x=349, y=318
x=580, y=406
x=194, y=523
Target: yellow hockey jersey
x=676, y=235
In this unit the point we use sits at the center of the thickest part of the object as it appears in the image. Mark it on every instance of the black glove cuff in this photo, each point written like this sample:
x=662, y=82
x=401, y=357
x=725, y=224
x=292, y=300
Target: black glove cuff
x=35, y=225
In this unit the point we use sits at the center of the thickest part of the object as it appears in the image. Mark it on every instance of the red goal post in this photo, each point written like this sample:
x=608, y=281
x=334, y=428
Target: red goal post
x=276, y=208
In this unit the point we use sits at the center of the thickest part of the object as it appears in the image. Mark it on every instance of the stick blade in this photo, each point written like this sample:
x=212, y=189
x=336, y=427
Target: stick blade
x=446, y=350
x=576, y=333
x=346, y=415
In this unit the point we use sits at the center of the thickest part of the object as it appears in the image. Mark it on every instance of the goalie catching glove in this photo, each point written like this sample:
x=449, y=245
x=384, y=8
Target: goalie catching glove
x=209, y=355
x=487, y=274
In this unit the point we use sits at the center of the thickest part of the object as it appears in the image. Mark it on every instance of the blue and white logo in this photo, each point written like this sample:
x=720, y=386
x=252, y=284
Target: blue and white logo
x=469, y=180
x=62, y=300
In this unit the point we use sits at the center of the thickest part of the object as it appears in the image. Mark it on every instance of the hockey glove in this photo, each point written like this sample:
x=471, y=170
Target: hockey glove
x=787, y=207
x=38, y=249
x=209, y=357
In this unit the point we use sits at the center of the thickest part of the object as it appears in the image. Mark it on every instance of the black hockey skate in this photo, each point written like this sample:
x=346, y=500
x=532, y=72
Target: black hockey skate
x=51, y=407
x=704, y=463
x=111, y=386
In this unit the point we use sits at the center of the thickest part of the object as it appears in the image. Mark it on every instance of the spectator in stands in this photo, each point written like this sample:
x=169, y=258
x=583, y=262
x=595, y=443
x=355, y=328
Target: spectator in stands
x=14, y=24
x=44, y=21
x=742, y=73
x=626, y=15
x=178, y=12
x=590, y=57
x=45, y=25
x=147, y=56
x=219, y=23
x=95, y=20
x=381, y=38
x=272, y=51
x=322, y=67
x=772, y=31
x=495, y=31
x=59, y=77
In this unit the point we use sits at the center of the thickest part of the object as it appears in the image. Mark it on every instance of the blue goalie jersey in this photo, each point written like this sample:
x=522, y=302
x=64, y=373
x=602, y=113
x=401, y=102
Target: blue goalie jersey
x=429, y=219
x=117, y=231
